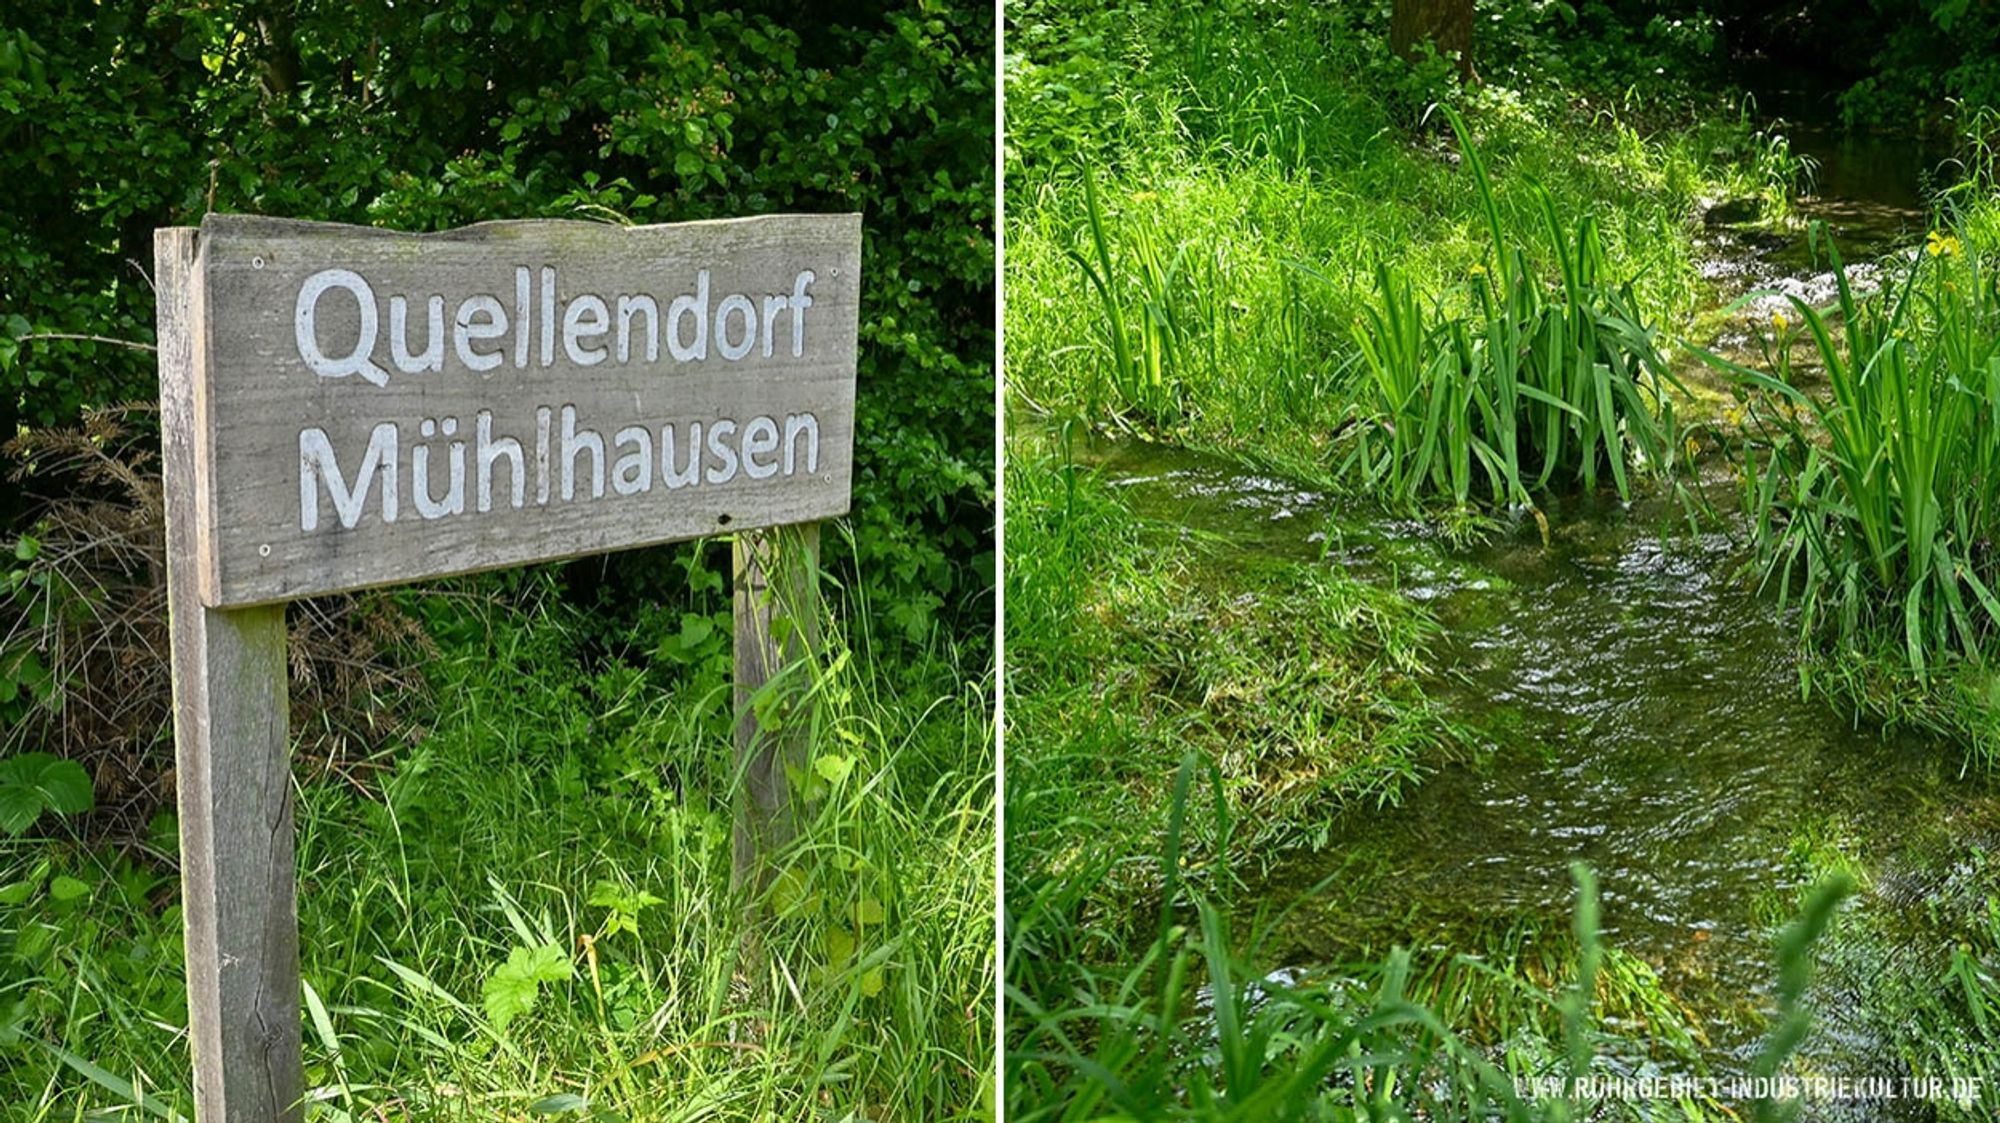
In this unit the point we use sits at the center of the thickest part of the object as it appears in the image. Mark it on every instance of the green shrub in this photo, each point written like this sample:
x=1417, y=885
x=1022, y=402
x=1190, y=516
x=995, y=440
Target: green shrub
x=125, y=116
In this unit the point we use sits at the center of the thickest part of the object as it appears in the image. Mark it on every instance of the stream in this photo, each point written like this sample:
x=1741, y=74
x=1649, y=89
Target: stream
x=1641, y=711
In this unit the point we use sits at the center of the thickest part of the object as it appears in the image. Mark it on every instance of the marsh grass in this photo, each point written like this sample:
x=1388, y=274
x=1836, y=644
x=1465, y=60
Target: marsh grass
x=1874, y=488
x=1190, y=1029
x=1533, y=386
x=1196, y=263
x=528, y=911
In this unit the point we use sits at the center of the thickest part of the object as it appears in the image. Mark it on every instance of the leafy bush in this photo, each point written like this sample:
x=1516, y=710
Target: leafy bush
x=124, y=116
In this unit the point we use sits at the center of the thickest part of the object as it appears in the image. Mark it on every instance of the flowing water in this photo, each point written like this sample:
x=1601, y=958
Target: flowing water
x=1642, y=713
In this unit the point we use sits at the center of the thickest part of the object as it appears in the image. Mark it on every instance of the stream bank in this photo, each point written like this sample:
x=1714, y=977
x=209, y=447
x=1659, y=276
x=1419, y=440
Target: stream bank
x=1639, y=710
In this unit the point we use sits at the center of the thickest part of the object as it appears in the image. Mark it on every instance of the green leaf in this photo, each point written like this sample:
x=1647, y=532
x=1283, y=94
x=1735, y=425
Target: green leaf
x=871, y=982
x=869, y=911
x=66, y=888
x=695, y=628
x=515, y=985
x=19, y=808
x=558, y=1103
x=839, y=945
x=53, y=783
x=791, y=894
x=834, y=769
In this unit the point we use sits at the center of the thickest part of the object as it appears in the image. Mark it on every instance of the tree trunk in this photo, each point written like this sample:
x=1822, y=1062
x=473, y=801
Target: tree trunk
x=1447, y=24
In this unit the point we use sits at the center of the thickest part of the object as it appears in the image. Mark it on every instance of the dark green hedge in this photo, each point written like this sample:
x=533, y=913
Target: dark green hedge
x=118, y=116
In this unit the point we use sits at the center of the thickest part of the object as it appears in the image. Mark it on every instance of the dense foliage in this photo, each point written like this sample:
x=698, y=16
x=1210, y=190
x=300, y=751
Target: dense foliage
x=514, y=790
x=121, y=117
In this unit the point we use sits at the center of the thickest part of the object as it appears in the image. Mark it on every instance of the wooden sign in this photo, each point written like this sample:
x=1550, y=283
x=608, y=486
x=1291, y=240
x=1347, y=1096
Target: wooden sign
x=344, y=407
x=374, y=407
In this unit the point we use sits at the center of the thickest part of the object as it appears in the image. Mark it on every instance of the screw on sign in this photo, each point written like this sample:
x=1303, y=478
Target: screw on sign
x=344, y=407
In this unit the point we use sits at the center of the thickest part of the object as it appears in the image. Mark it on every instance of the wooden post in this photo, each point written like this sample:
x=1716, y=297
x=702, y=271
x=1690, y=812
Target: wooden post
x=233, y=771
x=777, y=631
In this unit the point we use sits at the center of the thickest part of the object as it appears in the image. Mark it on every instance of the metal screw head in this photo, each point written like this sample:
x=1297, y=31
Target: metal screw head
x=257, y=262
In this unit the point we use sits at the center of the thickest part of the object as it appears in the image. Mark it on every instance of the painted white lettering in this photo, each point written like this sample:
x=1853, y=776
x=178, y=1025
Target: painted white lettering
x=628, y=306
x=772, y=306
x=799, y=303
x=585, y=318
x=453, y=502
x=760, y=437
x=673, y=477
x=432, y=358
x=305, y=327
x=542, y=455
x=548, y=316
x=317, y=465
x=486, y=450
x=634, y=471
x=696, y=308
x=479, y=318
x=802, y=425
x=718, y=445
x=521, y=278
x=740, y=304
x=575, y=442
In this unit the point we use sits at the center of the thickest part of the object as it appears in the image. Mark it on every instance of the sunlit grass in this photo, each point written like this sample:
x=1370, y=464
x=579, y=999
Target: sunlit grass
x=1874, y=482
x=576, y=820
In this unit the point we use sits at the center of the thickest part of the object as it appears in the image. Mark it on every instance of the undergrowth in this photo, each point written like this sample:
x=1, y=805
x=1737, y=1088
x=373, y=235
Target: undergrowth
x=1189, y=1028
x=528, y=910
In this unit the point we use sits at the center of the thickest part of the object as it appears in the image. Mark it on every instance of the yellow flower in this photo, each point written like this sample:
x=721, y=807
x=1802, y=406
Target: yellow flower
x=1144, y=197
x=1478, y=270
x=1778, y=321
x=1941, y=244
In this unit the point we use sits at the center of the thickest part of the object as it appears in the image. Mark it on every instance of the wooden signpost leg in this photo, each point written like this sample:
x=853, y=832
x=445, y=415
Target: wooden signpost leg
x=777, y=626
x=233, y=773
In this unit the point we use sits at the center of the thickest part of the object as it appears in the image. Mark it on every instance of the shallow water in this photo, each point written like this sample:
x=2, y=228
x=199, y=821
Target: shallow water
x=1642, y=713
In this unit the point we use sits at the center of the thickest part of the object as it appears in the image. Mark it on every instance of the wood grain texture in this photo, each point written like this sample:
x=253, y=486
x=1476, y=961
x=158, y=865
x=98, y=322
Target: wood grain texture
x=260, y=391
x=776, y=600
x=233, y=772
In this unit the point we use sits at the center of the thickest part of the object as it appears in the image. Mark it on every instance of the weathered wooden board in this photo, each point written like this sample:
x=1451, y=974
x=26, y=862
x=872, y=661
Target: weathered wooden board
x=374, y=407
x=232, y=776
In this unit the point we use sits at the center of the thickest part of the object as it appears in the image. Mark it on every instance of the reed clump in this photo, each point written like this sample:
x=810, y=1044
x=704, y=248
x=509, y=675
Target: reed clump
x=1872, y=478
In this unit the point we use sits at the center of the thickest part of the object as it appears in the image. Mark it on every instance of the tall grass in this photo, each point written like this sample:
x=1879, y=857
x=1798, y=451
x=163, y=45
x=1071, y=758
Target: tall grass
x=1189, y=1029
x=529, y=911
x=1196, y=221
x=1875, y=485
x=1532, y=386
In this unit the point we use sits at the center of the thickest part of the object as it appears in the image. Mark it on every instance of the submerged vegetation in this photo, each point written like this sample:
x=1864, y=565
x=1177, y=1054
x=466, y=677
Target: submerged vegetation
x=1191, y=1031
